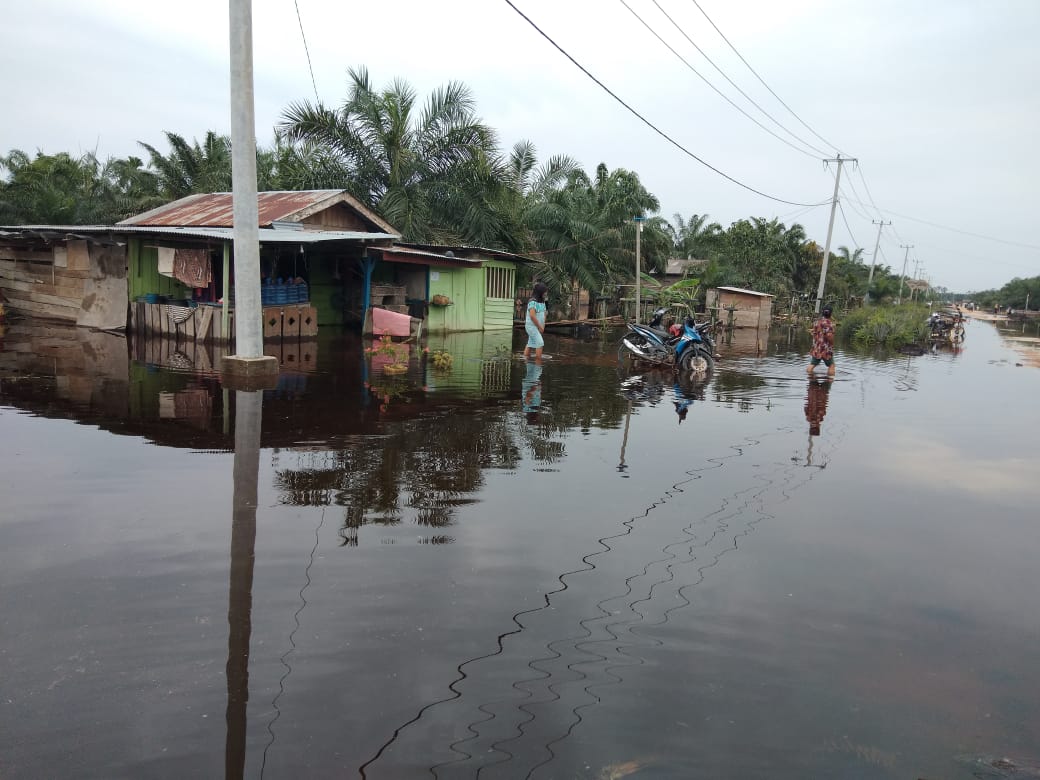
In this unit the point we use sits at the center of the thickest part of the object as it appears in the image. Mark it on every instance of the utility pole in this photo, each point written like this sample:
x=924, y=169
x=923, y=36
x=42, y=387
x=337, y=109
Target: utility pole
x=902, y=276
x=639, y=232
x=873, y=260
x=830, y=229
x=249, y=358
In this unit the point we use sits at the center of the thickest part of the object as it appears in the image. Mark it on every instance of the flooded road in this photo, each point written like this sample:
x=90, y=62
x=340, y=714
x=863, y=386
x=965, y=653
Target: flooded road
x=558, y=573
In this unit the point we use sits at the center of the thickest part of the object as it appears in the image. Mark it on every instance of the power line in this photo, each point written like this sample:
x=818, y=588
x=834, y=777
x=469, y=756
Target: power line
x=846, y=221
x=307, y=51
x=963, y=232
x=732, y=83
x=705, y=80
x=646, y=121
x=762, y=81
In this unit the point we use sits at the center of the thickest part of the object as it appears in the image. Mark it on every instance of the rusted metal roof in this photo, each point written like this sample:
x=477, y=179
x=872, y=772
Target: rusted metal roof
x=114, y=233
x=216, y=209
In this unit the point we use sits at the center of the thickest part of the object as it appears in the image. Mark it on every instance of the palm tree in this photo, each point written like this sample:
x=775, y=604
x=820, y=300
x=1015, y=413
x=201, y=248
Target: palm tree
x=424, y=170
x=855, y=257
x=586, y=235
x=192, y=168
x=693, y=238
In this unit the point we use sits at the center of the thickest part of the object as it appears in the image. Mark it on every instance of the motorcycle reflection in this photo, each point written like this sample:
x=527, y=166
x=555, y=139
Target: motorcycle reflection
x=652, y=387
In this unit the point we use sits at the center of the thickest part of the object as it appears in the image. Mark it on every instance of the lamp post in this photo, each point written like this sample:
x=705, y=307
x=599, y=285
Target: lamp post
x=639, y=231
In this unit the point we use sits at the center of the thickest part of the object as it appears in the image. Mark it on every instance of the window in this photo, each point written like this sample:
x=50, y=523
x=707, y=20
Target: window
x=498, y=282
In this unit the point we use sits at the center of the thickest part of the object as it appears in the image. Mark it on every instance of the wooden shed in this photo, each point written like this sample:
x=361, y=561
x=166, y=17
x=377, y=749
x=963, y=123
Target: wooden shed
x=749, y=308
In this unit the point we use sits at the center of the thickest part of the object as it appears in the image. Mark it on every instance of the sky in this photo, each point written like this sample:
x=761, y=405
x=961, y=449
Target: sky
x=938, y=101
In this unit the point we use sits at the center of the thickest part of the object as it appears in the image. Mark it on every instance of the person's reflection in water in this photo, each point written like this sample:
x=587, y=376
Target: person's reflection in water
x=815, y=410
x=816, y=405
x=531, y=391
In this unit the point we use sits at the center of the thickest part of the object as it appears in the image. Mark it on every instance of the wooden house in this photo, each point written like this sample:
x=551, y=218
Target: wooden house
x=453, y=288
x=741, y=308
x=325, y=259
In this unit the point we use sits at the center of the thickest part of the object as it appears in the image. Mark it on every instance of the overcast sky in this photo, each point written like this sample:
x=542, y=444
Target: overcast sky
x=939, y=100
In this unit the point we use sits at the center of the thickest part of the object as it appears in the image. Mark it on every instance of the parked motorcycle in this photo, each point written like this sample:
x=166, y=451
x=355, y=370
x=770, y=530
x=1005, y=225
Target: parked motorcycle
x=692, y=351
x=946, y=326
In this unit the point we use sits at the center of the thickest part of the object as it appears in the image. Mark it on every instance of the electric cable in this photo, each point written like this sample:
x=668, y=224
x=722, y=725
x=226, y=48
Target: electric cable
x=703, y=78
x=307, y=51
x=849, y=229
x=762, y=81
x=750, y=99
x=646, y=121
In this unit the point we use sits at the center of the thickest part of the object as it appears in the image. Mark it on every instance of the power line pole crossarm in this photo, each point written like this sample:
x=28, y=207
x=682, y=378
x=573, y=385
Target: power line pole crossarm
x=830, y=227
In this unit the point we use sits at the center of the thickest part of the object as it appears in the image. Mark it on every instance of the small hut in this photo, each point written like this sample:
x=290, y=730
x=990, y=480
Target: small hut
x=749, y=308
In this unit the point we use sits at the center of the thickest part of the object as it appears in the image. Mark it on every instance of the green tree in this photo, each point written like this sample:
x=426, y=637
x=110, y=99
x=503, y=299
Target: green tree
x=190, y=168
x=60, y=189
x=425, y=170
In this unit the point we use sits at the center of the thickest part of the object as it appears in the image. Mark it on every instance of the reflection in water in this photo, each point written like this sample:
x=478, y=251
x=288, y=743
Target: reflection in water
x=519, y=730
x=815, y=410
x=531, y=391
x=598, y=635
x=248, y=412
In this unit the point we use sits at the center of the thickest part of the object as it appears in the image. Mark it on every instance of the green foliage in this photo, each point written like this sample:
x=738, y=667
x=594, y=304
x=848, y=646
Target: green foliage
x=884, y=325
x=441, y=359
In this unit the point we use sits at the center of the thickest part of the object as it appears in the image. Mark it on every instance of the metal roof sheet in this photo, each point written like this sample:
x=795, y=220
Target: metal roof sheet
x=746, y=292
x=216, y=209
x=267, y=235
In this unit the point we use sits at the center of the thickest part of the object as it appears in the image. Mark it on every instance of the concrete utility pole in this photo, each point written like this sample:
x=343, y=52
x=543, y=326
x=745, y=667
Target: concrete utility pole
x=639, y=232
x=249, y=358
x=873, y=260
x=830, y=229
x=902, y=276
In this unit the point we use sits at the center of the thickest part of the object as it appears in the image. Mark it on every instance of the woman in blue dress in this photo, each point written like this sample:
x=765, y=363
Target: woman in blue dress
x=534, y=324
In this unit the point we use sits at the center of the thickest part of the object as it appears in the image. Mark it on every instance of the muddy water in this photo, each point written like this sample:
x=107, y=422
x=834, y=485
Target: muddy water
x=564, y=572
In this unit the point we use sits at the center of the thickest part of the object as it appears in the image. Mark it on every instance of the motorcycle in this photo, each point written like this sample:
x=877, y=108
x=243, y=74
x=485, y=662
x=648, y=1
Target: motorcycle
x=692, y=351
x=946, y=326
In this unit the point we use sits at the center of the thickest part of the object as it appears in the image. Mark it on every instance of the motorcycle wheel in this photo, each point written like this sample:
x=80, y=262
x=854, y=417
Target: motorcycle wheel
x=697, y=363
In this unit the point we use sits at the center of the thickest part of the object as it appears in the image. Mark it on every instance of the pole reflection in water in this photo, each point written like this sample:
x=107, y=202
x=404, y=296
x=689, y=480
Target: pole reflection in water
x=248, y=414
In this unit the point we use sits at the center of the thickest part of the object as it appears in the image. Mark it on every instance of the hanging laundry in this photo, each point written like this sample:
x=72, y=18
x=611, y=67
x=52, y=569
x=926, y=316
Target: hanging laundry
x=192, y=267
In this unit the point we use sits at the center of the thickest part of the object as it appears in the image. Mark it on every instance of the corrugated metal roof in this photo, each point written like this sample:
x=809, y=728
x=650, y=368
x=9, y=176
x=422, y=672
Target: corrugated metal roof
x=745, y=292
x=267, y=235
x=442, y=248
x=216, y=209
x=431, y=257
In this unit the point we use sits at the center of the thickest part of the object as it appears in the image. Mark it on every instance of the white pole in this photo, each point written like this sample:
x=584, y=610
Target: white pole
x=902, y=276
x=830, y=231
x=248, y=336
x=639, y=231
x=873, y=259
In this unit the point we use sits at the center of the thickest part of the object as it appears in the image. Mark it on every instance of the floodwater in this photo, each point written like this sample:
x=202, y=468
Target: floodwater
x=554, y=572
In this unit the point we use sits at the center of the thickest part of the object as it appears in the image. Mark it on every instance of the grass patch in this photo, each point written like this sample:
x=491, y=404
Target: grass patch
x=889, y=326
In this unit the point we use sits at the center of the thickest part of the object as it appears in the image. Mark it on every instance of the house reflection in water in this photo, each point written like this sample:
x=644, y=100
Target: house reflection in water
x=385, y=464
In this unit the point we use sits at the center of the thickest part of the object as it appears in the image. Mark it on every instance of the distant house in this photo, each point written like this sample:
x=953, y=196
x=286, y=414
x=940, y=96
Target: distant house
x=325, y=259
x=749, y=308
x=677, y=268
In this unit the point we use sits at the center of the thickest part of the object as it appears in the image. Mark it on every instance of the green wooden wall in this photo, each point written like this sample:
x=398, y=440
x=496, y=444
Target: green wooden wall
x=143, y=273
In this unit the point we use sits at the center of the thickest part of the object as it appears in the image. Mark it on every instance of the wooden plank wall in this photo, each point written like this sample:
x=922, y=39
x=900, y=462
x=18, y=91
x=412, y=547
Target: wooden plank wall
x=45, y=284
x=289, y=321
